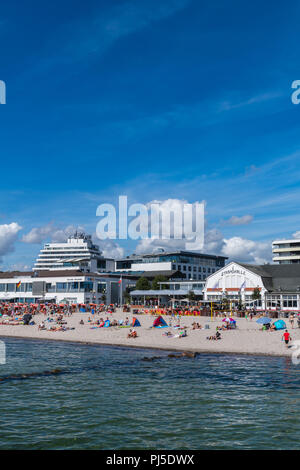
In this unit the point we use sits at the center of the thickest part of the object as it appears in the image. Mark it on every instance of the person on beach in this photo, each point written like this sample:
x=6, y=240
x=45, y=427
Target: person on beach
x=286, y=337
x=292, y=321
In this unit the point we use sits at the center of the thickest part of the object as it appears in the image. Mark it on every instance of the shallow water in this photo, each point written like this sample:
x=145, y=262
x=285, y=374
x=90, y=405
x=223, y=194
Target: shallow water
x=109, y=398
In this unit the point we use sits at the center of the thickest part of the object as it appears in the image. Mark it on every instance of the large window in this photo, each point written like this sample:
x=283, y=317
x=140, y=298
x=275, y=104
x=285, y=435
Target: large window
x=73, y=286
x=273, y=301
x=61, y=287
x=101, y=288
x=289, y=301
x=86, y=286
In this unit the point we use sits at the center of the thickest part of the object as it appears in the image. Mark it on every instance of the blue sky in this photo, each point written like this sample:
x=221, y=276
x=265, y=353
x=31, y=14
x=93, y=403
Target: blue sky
x=176, y=99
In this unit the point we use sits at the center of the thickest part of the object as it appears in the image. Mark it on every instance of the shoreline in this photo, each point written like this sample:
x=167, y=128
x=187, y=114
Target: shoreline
x=133, y=346
x=247, y=339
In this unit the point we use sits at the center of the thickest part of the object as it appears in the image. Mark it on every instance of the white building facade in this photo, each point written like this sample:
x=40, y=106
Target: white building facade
x=78, y=252
x=72, y=287
x=279, y=286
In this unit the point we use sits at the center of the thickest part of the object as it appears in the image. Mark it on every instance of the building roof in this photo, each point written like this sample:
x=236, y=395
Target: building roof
x=170, y=253
x=277, y=277
x=164, y=292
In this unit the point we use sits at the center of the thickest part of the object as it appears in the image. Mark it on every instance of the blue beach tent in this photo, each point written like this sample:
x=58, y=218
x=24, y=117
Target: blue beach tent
x=106, y=324
x=135, y=322
x=280, y=325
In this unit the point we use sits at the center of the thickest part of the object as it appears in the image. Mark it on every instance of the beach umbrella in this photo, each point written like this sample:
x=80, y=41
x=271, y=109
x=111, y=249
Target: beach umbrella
x=264, y=320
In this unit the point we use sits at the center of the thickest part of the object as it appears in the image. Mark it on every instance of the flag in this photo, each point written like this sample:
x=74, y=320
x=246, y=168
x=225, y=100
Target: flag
x=216, y=286
x=120, y=281
x=243, y=285
x=18, y=285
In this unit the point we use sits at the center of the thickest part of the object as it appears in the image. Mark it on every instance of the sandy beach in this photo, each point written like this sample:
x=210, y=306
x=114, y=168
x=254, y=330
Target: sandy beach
x=246, y=339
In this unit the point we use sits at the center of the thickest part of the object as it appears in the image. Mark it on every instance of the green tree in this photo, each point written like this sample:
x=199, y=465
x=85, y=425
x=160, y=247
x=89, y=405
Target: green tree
x=143, y=284
x=256, y=295
x=191, y=295
x=127, y=297
x=155, y=283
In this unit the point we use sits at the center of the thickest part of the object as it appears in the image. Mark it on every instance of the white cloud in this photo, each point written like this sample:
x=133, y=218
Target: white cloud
x=61, y=235
x=37, y=235
x=110, y=249
x=296, y=234
x=244, y=220
x=247, y=251
x=8, y=237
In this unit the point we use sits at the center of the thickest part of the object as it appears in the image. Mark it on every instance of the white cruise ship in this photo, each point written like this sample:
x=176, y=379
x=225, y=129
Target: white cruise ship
x=78, y=252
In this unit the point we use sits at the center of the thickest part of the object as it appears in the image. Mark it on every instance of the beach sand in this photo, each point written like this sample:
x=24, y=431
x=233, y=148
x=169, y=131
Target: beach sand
x=246, y=339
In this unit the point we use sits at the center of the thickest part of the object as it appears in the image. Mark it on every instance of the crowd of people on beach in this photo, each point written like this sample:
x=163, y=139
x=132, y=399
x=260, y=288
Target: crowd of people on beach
x=55, y=318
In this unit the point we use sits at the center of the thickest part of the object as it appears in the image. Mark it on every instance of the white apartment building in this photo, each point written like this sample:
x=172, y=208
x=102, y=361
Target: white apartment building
x=286, y=251
x=78, y=252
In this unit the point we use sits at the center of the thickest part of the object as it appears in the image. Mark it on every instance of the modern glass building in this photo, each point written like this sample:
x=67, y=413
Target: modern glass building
x=191, y=265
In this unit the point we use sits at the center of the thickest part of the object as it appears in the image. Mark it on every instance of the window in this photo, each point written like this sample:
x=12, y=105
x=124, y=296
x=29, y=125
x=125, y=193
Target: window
x=73, y=286
x=289, y=301
x=101, y=288
x=61, y=287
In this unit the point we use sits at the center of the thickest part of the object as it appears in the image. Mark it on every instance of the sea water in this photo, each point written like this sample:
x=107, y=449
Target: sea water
x=111, y=398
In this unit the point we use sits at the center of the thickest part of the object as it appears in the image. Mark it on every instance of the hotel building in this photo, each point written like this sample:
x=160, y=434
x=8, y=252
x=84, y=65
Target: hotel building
x=78, y=252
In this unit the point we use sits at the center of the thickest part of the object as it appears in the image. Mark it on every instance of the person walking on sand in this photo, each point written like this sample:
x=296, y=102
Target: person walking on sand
x=286, y=337
x=292, y=321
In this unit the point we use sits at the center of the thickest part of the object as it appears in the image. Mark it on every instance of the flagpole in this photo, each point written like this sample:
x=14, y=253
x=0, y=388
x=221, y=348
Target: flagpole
x=121, y=300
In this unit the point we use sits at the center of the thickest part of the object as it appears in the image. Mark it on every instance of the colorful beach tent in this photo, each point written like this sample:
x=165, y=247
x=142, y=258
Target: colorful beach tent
x=159, y=322
x=135, y=322
x=280, y=325
x=106, y=324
